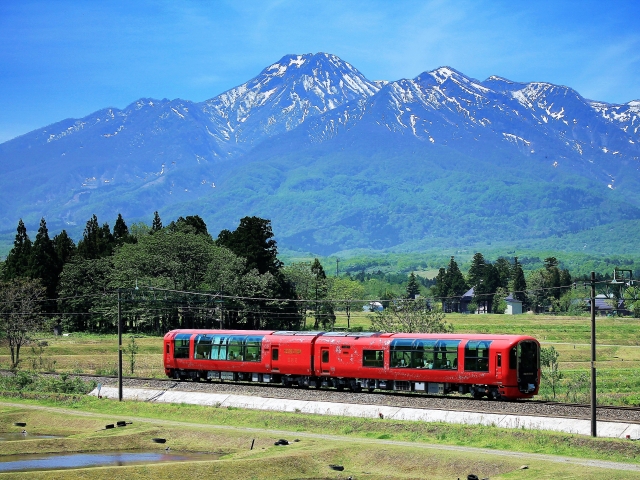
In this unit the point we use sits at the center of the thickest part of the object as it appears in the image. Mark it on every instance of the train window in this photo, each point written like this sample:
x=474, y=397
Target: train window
x=253, y=348
x=446, y=355
x=168, y=349
x=373, y=358
x=513, y=358
x=181, y=345
x=202, y=347
x=476, y=356
x=431, y=354
x=219, y=347
x=325, y=356
x=235, y=348
x=274, y=353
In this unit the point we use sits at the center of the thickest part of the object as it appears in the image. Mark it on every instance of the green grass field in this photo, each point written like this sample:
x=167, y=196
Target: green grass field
x=367, y=448
x=618, y=352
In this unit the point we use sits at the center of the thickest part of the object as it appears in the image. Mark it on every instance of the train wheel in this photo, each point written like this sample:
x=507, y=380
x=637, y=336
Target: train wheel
x=371, y=389
x=340, y=387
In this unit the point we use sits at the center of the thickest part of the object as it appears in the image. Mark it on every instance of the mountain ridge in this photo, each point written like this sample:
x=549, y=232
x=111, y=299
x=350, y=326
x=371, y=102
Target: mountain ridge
x=311, y=134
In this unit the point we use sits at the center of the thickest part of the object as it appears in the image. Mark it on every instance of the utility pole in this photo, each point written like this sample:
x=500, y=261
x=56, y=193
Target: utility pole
x=337, y=262
x=593, y=354
x=119, y=349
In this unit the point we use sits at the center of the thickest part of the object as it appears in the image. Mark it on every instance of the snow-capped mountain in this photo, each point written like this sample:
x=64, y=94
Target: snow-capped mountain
x=283, y=96
x=306, y=120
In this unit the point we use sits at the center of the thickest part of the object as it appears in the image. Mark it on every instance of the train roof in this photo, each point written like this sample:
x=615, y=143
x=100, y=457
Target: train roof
x=356, y=335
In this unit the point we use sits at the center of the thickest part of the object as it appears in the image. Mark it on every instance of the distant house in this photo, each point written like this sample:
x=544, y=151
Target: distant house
x=466, y=300
x=605, y=305
x=373, y=307
x=514, y=306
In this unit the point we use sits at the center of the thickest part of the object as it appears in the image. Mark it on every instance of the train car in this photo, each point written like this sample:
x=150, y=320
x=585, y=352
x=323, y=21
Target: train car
x=495, y=366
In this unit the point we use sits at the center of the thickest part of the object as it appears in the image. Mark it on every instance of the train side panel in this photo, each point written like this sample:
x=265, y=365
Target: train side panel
x=290, y=353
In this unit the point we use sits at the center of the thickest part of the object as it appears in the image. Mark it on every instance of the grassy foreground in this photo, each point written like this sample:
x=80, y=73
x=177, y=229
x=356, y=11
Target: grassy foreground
x=372, y=449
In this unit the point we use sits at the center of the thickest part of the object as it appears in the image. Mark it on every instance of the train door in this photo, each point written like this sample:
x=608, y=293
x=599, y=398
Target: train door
x=324, y=360
x=275, y=358
x=167, y=352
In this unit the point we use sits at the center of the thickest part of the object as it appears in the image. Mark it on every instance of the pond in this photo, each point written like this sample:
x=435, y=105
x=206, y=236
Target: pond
x=14, y=436
x=57, y=461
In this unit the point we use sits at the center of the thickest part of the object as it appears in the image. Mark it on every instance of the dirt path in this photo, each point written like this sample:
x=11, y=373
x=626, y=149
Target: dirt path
x=525, y=457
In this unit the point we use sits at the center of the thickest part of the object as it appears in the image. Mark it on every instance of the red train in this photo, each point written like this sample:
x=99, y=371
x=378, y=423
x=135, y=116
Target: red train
x=496, y=366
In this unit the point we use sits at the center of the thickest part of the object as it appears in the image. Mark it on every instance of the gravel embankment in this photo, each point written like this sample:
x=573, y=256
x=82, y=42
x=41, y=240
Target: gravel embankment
x=454, y=403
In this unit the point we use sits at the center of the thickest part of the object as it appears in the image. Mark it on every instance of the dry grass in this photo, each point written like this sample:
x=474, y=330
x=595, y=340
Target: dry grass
x=308, y=458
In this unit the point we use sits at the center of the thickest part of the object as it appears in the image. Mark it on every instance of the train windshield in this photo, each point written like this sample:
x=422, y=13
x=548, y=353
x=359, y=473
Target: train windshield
x=528, y=357
x=181, y=345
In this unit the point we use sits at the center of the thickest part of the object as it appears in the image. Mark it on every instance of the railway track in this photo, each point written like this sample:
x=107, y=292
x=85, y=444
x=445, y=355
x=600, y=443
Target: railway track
x=385, y=398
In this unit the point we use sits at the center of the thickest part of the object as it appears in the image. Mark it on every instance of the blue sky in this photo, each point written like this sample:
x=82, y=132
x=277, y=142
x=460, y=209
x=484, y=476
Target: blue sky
x=62, y=59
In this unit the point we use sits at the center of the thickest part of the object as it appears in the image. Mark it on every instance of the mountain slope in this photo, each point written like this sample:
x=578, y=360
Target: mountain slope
x=341, y=162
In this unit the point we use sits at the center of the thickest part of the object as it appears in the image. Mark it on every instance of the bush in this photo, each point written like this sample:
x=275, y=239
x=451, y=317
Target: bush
x=32, y=382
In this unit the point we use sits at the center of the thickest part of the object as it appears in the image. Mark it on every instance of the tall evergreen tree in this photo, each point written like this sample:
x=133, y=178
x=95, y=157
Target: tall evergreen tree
x=490, y=284
x=323, y=312
x=504, y=270
x=44, y=261
x=253, y=240
x=476, y=271
x=456, y=281
x=191, y=224
x=441, y=287
x=156, y=226
x=97, y=242
x=120, y=231
x=65, y=248
x=413, y=289
x=17, y=262
x=450, y=285
x=518, y=283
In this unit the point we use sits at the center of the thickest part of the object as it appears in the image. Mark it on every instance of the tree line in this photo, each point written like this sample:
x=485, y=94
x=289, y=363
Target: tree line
x=543, y=289
x=56, y=283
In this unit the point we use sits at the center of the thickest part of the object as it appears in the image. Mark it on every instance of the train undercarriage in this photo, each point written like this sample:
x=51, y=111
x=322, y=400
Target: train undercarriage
x=492, y=392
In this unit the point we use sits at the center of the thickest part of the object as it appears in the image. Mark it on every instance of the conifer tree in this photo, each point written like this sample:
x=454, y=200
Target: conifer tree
x=477, y=270
x=17, y=262
x=518, y=283
x=65, y=248
x=441, y=288
x=43, y=261
x=504, y=270
x=120, y=231
x=97, y=242
x=156, y=226
x=324, y=312
x=413, y=289
x=457, y=284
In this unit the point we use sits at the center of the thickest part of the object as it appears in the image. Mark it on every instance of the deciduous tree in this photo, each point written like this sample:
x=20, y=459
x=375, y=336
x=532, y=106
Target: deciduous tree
x=20, y=304
x=347, y=294
x=409, y=316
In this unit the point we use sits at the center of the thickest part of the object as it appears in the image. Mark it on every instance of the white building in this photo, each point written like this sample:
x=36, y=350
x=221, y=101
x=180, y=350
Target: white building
x=514, y=306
